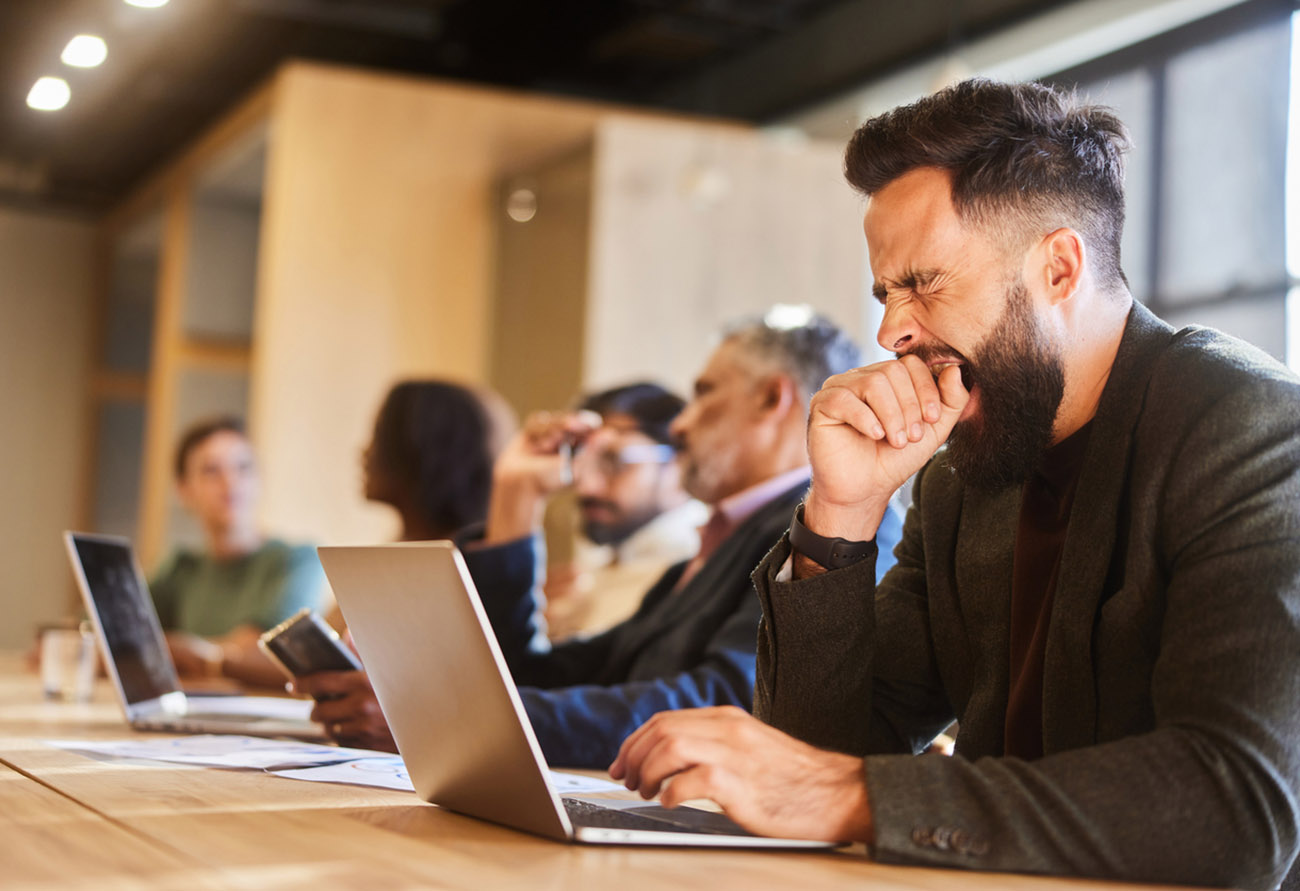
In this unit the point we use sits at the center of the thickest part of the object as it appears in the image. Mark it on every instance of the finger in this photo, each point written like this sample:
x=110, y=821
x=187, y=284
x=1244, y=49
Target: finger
x=677, y=753
x=708, y=724
x=953, y=394
x=711, y=782
x=841, y=406
x=627, y=761
x=927, y=391
x=903, y=386
x=581, y=424
x=331, y=682
x=334, y=711
x=880, y=391
x=544, y=431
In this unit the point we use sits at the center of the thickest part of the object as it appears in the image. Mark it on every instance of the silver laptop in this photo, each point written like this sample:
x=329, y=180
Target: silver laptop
x=140, y=666
x=457, y=718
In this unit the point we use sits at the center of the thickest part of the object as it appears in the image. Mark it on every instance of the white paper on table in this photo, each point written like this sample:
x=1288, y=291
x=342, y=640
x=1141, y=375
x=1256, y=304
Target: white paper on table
x=388, y=772
x=220, y=751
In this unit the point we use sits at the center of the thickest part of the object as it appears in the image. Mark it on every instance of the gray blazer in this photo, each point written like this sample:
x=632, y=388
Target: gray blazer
x=1171, y=695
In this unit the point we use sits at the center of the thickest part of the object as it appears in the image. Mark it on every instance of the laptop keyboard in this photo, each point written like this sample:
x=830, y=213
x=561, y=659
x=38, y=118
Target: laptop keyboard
x=650, y=818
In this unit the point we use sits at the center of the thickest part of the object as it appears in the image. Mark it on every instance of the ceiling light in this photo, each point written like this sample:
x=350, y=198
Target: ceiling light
x=49, y=94
x=85, y=51
x=147, y=4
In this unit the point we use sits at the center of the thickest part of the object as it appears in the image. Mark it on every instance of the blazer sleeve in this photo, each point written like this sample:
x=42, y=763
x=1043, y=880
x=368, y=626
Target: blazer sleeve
x=821, y=676
x=583, y=726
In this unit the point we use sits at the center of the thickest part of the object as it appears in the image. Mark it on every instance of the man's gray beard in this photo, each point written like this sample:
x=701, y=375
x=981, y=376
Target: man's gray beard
x=1021, y=382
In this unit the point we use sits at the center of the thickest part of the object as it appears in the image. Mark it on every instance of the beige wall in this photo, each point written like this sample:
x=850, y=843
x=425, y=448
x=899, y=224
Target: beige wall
x=693, y=228
x=46, y=274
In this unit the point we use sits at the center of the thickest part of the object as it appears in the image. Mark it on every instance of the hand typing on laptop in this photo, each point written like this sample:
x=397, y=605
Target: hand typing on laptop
x=767, y=781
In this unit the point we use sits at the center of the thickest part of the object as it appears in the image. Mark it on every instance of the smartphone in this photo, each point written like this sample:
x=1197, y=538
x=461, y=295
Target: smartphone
x=305, y=643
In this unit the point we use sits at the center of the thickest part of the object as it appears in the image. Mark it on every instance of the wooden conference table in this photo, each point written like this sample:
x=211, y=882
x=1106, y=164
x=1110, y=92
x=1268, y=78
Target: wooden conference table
x=68, y=821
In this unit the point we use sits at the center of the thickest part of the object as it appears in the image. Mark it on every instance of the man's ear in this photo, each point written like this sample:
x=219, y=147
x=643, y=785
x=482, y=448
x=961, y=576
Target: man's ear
x=777, y=394
x=1063, y=255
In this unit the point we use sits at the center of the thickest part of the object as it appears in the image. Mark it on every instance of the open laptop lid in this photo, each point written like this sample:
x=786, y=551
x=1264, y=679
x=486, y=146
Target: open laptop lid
x=126, y=624
x=443, y=683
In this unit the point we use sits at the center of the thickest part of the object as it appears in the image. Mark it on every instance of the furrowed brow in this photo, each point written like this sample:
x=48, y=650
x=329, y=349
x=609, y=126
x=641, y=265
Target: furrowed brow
x=911, y=280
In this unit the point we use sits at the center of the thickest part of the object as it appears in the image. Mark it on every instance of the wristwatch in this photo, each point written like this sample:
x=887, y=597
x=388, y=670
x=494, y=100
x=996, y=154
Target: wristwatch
x=832, y=553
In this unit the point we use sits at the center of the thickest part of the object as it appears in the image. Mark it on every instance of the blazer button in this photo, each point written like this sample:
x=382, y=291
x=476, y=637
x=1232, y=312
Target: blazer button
x=942, y=839
x=960, y=841
x=922, y=836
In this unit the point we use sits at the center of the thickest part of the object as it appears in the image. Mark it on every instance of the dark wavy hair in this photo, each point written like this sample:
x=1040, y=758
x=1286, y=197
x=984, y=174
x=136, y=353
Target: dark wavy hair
x=650, y=405
x=438, y=440
x=1025, y=159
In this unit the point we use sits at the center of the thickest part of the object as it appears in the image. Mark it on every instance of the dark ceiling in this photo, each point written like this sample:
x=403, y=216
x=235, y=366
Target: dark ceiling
x=171, y=71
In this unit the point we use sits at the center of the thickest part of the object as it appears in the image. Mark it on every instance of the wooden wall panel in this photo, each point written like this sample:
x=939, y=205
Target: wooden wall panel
x=377, y=263
x=541, y=286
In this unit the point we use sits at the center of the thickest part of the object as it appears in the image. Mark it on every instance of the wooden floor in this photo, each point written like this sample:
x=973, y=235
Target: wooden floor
x=69, y=821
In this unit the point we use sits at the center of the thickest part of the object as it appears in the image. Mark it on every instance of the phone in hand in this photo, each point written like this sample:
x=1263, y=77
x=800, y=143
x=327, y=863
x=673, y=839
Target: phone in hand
x=305, y=643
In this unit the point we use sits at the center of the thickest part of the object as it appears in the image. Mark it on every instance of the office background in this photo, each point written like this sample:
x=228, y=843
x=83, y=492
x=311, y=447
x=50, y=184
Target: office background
x=281, y=208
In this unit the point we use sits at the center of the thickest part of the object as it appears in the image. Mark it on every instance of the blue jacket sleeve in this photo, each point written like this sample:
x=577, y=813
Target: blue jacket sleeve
x=583, y=726
x=579, y=721
x=508, y=582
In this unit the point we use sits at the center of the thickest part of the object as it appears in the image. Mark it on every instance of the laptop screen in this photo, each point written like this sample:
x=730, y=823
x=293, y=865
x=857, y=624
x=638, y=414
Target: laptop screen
x=127, y=615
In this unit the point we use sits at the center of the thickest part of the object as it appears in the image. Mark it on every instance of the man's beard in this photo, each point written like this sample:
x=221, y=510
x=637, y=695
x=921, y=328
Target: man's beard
x=1021, y=381
x=616, y=531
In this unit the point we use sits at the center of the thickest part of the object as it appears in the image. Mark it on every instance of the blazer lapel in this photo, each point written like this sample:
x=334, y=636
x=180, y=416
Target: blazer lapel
x=736, y=557
x=1069, y=693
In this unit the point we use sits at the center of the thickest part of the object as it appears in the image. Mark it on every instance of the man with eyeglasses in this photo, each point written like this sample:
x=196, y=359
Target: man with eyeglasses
x=741, y=451
x=636, y=520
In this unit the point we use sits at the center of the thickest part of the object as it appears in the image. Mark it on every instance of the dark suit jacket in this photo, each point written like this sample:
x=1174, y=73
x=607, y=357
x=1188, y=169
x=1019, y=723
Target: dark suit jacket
x=691, y=648
x=1171, y=695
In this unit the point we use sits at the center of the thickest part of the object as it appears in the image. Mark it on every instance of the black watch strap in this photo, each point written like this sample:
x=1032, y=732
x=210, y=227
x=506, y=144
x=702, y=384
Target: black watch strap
x=832, y=553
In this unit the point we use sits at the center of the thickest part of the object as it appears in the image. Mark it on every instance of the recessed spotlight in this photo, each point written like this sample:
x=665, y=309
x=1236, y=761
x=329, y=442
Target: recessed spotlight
x=49, y=94
x=85, y=51
x=147, y=4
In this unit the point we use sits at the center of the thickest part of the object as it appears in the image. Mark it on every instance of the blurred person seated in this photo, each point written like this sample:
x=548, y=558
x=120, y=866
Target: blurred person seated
x=431, y=454
x=430, y=459
x=692, y=640
x=214, y=603
x=636, y=520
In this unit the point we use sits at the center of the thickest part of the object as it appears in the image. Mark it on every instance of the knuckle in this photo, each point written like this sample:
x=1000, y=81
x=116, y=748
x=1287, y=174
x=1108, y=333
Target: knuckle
x=710, y=776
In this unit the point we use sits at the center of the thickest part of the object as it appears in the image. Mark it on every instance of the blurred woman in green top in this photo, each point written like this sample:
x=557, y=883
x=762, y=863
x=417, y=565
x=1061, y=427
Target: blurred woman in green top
x=214, y=603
